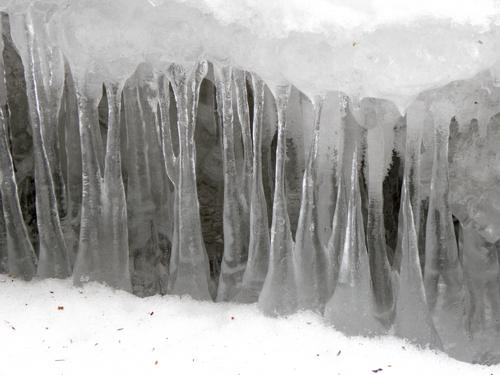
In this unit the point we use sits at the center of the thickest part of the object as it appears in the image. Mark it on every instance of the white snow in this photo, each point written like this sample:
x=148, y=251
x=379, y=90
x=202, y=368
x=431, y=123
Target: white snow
x=388, y=49
x=51, y=327
x=281, y=17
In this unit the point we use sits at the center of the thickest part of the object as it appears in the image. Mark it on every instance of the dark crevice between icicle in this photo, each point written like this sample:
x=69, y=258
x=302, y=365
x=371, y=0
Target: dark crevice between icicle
x=209, y=177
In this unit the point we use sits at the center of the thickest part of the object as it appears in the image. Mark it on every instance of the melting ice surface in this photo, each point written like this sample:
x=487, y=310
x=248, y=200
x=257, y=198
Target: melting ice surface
x=334, y=156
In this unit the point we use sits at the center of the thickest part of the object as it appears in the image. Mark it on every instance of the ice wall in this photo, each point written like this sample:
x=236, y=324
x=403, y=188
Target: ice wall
x=339, y=157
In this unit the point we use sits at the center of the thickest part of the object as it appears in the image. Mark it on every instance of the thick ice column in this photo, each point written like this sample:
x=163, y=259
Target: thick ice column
x=69, y=117
x=379, y=117
x=17, y=255
x=53, y=259
x=339, y=222
x=88, y=256
x=52, y=75
x=21, y=260
x=309, y=255
x=160, y=186
x=443, y=276
x=103, y=251
x=412, y=320
x=351, y=308
x=240, y=88
x=415, y=118
x=278, y=296
x=114, y=241
x=258, y=249
x=235, y=247
x=145, y=184
x=189, y=270
x=170, y=160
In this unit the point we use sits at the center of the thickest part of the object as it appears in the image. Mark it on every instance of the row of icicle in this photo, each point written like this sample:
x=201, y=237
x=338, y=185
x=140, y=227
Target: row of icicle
x=349, y=280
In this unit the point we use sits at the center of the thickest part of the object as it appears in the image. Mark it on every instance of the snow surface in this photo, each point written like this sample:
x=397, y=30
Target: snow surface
x=51, y=327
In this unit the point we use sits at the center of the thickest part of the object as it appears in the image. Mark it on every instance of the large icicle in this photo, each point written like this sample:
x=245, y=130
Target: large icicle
x=160, y=185
x=88, y=255
x=415, y=118
x=278, y=295
x=339, y=221
x=145, y=184
x=18, y=256
x=52, y=75
x=140, y=207
x=379, y=117
x=189, y=270
x=351, y=308
x=103, y=250
x=309, y=254
x=413, y=320
x=114, y=241
x=443, y=276
x=258, y=250
x=69, y=117
x=53, y=255
x=245, y=174
x=235, y=248
x=21, y=260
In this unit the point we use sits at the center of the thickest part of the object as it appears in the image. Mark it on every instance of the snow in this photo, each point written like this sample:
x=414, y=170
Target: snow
x=386, y=49
x=51, y=327
x=318, y=16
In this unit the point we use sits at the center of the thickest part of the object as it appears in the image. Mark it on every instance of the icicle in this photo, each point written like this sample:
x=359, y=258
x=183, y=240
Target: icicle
x=240, y=86
x=52, y=76
x=160, y=194
x=309, y=255
x=114, y=242
x=415, y=117
x=87, y=266
x=379, y=120
x=446, y=301
x=103, y=251
x=53, y=260
x=235, y=247
x=339, y=223
x=412, y=320
x=278, y=296
x=351, y=307
x=170, y=160
x=189, y=270
x=69, y=117
x=145, y=185
x=21, y=256
x=258, y=251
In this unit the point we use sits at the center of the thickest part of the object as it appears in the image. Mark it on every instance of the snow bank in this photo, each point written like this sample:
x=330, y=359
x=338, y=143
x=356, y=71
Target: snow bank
x=386, y=49
x=50, y=327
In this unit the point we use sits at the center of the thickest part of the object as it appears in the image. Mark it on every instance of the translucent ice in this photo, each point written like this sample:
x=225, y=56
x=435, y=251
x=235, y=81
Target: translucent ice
x=334, y=156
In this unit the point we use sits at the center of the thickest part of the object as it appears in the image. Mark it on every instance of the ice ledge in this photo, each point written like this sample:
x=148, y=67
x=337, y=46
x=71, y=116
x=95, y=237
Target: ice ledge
x=391, y=50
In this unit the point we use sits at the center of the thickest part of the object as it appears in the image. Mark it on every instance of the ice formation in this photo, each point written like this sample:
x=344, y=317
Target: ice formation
x=339, y=157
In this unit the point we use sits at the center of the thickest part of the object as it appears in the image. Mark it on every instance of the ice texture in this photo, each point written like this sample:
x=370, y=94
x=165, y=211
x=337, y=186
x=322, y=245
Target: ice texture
x=334, y=157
